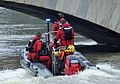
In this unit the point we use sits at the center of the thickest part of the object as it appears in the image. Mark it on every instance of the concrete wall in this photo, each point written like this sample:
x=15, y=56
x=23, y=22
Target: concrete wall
x=102, y=12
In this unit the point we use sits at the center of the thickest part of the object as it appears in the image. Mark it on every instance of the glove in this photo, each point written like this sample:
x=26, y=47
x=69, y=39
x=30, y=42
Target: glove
x=29, y=48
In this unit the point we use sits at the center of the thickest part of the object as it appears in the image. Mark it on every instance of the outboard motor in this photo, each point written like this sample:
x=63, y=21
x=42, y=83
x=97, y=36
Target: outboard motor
x=72, y=65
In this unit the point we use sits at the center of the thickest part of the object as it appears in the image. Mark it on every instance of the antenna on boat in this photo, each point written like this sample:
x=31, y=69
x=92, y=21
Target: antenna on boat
x=48, y=21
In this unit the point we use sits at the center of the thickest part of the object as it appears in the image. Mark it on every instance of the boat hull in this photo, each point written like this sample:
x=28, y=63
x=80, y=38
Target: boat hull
x=36, y=68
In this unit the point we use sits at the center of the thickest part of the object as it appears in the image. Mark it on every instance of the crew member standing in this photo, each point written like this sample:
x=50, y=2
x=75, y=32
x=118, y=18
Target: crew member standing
x=57, y=24
x=65, y=34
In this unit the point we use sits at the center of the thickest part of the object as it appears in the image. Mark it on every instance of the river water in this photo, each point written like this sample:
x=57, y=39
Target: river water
x=17, y=28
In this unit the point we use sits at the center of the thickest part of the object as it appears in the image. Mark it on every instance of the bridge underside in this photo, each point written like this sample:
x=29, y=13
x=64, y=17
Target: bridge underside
x=108, y=39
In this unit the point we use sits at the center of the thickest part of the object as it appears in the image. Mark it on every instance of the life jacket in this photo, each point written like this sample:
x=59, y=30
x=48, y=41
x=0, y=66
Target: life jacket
x=67, y=33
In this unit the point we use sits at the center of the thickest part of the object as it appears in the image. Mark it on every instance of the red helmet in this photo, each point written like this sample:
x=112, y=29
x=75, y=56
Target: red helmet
x=35, y=37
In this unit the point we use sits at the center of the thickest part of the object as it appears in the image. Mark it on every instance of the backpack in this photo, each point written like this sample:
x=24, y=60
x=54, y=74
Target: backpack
x=68, y=33
x=44, y=50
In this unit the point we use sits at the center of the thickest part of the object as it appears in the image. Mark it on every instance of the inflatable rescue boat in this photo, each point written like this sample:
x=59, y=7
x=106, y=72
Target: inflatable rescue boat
x=71, y=63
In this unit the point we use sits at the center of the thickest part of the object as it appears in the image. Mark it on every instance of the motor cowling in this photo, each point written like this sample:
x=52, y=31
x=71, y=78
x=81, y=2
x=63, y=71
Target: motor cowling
x=72, y=65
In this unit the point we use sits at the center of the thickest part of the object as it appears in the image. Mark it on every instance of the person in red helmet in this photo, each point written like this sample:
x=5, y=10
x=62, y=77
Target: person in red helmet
x=65, y=34
x=31, y=43
x=35, y=54
x=34, y=48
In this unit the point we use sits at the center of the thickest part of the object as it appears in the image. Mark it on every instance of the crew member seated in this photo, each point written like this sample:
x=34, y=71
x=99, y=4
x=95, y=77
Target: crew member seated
x=33, y=49
x=57, y=23
x=33, y=54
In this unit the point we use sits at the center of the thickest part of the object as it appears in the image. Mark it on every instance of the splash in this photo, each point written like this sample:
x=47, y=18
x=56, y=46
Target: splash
x=21, y=76
x=109, y=69
x=17, y=76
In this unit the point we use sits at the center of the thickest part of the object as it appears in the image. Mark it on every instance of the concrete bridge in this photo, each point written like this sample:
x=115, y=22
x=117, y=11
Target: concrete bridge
x=96, y=19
